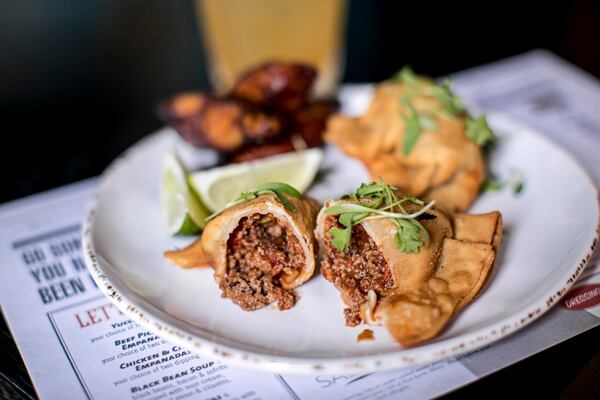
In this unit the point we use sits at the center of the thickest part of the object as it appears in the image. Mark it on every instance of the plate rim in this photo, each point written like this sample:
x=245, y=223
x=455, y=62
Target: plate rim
x=403, y=357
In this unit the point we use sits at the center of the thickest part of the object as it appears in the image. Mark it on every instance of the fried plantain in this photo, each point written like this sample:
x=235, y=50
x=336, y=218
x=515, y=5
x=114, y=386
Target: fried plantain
x=223, y=124
x=277, y=85
x=267, y=113
x=310, y=121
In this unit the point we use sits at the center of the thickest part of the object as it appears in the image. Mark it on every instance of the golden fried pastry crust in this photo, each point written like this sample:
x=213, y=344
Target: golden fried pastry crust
x=463, y=268
x=415, y=295
x=259, y=250
x=443, y=165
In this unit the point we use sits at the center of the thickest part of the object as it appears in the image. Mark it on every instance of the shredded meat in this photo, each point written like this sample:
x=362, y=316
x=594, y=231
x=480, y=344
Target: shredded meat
x=260, y=251
x=360, y=268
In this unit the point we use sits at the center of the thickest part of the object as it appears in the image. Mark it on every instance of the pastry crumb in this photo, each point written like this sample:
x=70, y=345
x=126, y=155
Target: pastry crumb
x=365, y=335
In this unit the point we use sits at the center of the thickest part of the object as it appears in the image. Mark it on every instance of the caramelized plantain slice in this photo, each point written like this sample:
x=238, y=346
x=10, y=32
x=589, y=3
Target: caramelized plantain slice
x=223, y=124
x=219, y=123
x=180, y=112
x=278, y=85
x=310, y=121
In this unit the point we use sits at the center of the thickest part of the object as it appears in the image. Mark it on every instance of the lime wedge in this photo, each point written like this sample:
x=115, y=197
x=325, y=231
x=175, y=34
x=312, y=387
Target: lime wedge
x=184, y=212
x=219, y=186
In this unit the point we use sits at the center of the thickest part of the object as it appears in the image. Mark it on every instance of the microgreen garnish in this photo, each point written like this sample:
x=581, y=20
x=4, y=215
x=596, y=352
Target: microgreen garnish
x=479, y=131
x=412, y=127
x=515, y=178
x=414, y=123
x=492, y=185
x=408, y=238
x=407, y=76
x=375, y=201
x=427, y=123
x=518, y=187
x=514, y=181
x=450, y=102
x=276, y=188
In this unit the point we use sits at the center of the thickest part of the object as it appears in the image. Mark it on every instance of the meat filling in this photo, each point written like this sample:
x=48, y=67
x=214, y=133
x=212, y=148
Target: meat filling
x=360, y=268
x=261, y=251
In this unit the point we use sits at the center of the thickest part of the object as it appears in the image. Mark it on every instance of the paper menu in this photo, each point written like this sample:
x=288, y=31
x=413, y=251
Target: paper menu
x=545, y=92
x=77, y=345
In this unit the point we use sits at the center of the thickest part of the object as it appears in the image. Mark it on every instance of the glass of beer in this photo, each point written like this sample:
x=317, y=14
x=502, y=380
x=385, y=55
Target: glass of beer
x=241, y=34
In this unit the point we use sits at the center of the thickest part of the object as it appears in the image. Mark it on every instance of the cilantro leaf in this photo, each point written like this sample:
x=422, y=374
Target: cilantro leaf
x=412, y=131
x=408, y=237
x=412, y=127
x=375, y=201
x=427, y=123
x=340, y=238
x=514, y=182
x=346, y=219
x=492, y=185
x=407, y=76
x=369, y=188
x=414, y=123
x=478, y=130
x=518, y=187
x=450, y=102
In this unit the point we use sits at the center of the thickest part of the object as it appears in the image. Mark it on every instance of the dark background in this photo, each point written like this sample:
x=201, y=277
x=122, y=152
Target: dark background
x=79, y=80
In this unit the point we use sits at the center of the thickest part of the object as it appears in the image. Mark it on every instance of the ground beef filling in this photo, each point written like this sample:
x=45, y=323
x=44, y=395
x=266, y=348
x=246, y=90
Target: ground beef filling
x=360, y=268
x=260, y=251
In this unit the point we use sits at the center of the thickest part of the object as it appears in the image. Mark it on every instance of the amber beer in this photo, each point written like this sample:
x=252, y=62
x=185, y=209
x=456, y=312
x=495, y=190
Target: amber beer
x=239, y=34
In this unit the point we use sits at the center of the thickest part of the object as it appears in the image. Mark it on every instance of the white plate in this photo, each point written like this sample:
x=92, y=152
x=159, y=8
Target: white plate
x=551, y=229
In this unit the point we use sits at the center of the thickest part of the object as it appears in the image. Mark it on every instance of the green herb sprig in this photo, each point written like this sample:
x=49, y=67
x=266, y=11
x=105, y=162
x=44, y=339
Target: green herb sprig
x=376, y=201
x=478, y=130
x=407, y=76
x=451, y=103
x=414, y=123
x=514, y=181
x=492, y=185
x=276, y=188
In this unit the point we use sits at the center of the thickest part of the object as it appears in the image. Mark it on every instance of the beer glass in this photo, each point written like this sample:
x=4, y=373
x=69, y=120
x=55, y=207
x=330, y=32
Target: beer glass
x=240, y=34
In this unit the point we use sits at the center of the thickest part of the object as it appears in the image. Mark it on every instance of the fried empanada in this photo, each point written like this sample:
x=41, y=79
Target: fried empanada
x=259, y=249
x=414, y=294
x=443, y=164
